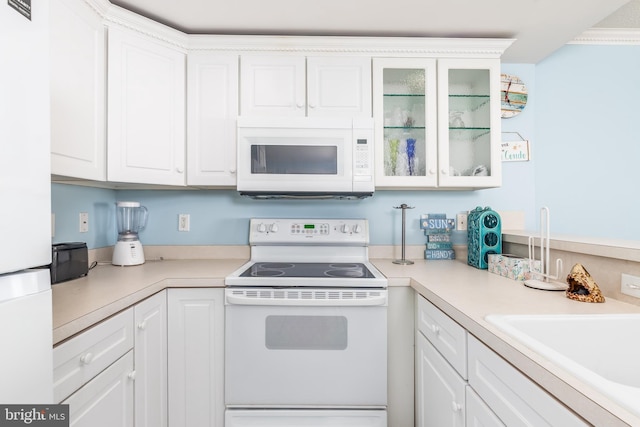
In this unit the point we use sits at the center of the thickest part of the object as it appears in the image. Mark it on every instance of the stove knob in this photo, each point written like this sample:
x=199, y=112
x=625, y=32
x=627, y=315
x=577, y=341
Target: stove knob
x=357, y=228
x=262, y=228
x=273, y=228
x=345, y=228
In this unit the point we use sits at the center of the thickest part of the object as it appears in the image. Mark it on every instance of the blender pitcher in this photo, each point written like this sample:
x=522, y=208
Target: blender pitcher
x=131, y=218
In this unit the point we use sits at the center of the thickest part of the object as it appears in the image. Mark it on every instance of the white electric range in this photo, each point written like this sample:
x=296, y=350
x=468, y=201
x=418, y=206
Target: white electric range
x=306, y=328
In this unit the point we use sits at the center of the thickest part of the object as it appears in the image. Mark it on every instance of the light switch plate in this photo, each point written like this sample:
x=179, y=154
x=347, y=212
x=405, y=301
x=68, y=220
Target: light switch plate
x=630, y=285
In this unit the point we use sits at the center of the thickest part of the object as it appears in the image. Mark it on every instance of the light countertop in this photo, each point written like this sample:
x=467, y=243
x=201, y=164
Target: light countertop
x=466, y=294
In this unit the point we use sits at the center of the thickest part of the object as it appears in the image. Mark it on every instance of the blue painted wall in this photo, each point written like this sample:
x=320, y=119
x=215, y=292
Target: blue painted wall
x=583, y=144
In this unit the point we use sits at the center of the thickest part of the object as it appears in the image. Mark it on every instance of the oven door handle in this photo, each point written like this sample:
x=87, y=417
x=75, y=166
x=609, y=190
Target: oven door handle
x=378, y=300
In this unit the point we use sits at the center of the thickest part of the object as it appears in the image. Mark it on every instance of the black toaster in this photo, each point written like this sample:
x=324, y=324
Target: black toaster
x=68, y=261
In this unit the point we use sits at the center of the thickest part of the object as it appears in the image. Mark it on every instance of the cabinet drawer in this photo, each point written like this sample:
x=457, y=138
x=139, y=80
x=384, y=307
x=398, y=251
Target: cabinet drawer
x=106, y=400
x=449, y=338
x=514, y=398
x=84, y=356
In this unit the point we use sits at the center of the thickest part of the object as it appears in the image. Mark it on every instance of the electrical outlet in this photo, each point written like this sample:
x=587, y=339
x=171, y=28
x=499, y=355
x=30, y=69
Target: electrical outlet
x=630, y=285
x=461, y=221
x=183, y=222
x=84, y=222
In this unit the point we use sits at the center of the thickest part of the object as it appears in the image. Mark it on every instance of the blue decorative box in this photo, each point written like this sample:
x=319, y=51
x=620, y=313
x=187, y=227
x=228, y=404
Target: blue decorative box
x=484, y=235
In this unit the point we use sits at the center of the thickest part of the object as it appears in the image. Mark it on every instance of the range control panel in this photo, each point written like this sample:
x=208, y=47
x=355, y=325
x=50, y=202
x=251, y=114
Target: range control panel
x=308, y=231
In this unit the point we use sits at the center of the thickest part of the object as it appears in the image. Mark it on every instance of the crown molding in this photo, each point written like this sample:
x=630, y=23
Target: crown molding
x=609, y=36
x=393, y=46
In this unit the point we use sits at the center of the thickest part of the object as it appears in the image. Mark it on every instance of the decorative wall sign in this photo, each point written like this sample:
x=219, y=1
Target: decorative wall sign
x=513, y=95
x=515, y=151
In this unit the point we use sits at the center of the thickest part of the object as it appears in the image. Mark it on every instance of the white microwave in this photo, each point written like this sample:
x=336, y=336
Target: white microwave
x=305, y=157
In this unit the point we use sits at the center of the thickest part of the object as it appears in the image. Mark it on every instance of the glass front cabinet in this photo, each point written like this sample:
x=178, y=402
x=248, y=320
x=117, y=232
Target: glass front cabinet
x=437, y=123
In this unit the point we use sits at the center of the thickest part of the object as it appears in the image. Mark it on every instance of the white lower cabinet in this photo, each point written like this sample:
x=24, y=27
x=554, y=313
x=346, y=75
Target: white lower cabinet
x=496, y=393
x=515, y=399
x=440, y=390
x=94, y=373
x=150, y=351
x=196, y=355
x=106, y=400
x=116, y=369
x=478, y=413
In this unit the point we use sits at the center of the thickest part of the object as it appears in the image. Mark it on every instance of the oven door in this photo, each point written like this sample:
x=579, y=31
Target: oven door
x=288, y=348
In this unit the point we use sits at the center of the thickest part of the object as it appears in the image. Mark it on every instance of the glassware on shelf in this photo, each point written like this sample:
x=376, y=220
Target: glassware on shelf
x=393, y=155
x=411, y=155
x=455, y=119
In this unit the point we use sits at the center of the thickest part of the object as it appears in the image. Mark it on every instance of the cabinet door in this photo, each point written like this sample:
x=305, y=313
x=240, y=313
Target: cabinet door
x=106, y=400
x=440, y=392
x=151, y=361
x=404, y=107
x=339, y=86
x=478, y=413
x=212, y=109
x=78, y=94
x=272, y=85
x=513, y=397
x=469, y=123
x=196, y=354
x=146, y=110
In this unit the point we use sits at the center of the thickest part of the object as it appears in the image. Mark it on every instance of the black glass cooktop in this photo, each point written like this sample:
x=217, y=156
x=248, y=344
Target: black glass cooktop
x=308, y=269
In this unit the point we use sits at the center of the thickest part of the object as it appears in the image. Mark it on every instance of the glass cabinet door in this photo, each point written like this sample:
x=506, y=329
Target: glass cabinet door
x=404, y=108
x=469, y=123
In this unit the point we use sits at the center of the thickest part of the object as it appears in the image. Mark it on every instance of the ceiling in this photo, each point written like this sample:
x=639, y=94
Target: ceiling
x=540, y=26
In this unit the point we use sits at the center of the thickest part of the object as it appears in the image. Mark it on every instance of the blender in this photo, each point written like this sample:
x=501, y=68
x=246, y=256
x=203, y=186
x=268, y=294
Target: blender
x=131, y=218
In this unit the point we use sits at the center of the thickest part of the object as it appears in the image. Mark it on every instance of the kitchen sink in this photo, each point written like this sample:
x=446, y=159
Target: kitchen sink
x=602, y=350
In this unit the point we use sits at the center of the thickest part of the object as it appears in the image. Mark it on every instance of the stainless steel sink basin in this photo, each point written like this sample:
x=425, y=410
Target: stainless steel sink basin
x=603, y=350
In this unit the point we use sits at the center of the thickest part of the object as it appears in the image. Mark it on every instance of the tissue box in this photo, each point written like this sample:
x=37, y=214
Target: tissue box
x=512, y=266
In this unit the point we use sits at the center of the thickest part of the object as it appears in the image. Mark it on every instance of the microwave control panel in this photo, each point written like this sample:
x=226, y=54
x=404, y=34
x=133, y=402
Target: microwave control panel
x=363, y=159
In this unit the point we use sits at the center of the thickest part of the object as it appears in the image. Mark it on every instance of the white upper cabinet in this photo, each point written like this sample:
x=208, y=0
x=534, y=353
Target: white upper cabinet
x=146, y=110
x=405, y=110
x=292, y=85
x=212, y=110
x=339, y=86
x=437, y=123
x=78, y=91
x=469, y=123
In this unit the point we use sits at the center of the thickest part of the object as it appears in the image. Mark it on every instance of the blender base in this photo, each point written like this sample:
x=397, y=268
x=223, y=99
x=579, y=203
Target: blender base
x=128, y=253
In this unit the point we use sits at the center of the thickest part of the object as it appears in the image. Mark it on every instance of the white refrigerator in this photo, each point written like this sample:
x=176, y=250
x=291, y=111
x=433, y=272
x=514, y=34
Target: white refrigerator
x=25, y=205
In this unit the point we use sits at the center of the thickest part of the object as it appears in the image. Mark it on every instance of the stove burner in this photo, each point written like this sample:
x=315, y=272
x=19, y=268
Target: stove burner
x=274, y=265
x=346, y=272
x=267, y=273
x=344, y=266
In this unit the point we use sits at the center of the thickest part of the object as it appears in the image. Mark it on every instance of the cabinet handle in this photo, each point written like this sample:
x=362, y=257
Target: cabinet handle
x=232, y=171
x=142, y=326
x=179, y=169
x=300, y=105
x=432, y=171
x=444, y=172
x=456, y=406
x=312, y=105
x=85, y=359
x=132, y=375
x=435, y=329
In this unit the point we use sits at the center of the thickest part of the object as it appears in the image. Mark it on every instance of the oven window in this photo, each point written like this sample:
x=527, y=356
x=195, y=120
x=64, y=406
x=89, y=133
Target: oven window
x=306, y=333
x=294, y=159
